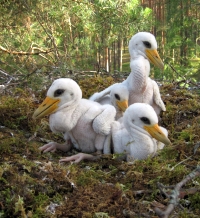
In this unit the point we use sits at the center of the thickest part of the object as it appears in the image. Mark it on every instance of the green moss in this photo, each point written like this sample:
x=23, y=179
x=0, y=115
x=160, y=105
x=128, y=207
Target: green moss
x=41, y=200
x=186, y=135
x=57, y=198
x=95, y=84
x=19, y=207
x=16, y=112
x=101, y=215
x=195, y=201
x=31, y=180
x=89, y=177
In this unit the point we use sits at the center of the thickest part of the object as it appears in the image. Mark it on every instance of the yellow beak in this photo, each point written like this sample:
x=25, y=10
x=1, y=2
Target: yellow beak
x=47, y=107
x=154, y=58
x=123, y=105
x=156, y=132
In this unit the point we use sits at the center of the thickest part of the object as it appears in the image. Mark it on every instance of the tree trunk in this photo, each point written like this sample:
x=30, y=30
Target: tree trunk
x=114, y=57
x=120, y=46
x=110, y=59
x=106, y=59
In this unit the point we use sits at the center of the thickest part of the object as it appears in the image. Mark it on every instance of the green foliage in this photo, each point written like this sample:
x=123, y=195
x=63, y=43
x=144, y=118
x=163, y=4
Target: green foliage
x=75, y=31
x=78, y=31
x=181, y=49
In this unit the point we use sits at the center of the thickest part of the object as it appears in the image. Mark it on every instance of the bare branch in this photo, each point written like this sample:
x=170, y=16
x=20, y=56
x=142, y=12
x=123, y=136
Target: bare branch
x=39, y=51
x=7, y=75
x=4, y=73
x=175, y=193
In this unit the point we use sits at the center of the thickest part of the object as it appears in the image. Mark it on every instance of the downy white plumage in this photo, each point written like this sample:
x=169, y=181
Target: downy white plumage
x=85, y=123
x=117, y=96
x=138, y=135
x=143, y=50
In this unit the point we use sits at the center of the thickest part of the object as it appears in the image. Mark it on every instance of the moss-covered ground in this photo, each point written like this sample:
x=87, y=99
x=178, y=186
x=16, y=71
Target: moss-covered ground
x=33, y=184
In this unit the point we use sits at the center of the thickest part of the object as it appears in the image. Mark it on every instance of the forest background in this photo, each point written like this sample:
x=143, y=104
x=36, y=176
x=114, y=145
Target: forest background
x=42, y=39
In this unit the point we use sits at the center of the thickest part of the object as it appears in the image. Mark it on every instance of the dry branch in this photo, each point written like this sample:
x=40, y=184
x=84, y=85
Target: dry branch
x=39, y=51
x=8, y=76
x=4, y=73
x=175, y=194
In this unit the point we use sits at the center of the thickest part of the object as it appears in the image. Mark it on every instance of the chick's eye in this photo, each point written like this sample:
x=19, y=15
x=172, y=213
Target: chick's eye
x=147, y=44
x=145, y=120
x=58, y=92
x=117, y=97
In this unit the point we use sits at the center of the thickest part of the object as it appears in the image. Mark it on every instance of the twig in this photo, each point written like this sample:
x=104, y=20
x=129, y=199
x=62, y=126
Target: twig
x=176, y=72
x=7, y=75
x=139, y=192
x=4, y=73
x=181, y=162
x=174, y=196
x=39, y=51
x=161, y=187
x=196, y=147
x=184, y=80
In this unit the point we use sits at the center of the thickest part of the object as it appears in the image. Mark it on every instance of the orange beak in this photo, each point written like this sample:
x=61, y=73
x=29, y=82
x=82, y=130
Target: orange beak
x=154, y=58
x=156, y=132
x=47, y=107
x=123, y=105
